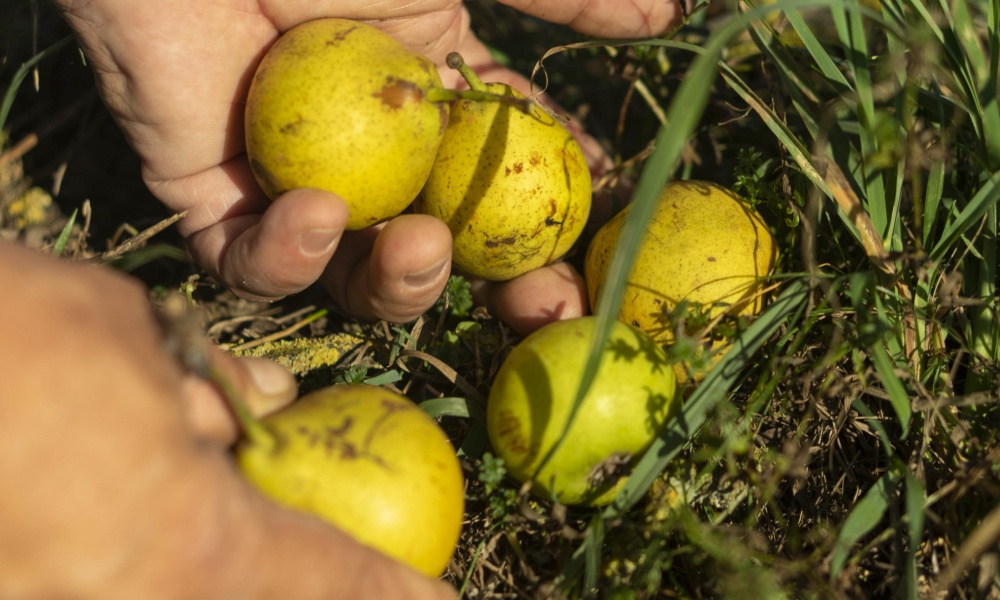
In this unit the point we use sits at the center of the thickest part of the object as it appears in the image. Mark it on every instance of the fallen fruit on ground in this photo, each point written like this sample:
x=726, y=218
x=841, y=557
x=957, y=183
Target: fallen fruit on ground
x=630, y=400
x=338, y=105
x=510, y=181
x=704, y=245
x=368, y=461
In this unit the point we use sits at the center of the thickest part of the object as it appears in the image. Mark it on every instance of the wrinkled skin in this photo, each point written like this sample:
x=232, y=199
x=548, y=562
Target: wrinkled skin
x=174, y=75
x=116, y=479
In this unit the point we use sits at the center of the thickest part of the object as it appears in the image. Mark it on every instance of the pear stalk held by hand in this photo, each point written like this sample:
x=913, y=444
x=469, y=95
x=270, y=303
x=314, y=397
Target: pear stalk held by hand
x=338, y=105
x=510, y=181
x=367, y=460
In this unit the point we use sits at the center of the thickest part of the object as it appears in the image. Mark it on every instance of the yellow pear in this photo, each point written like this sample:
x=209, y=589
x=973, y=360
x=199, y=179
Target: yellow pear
x=510, y=181
x=339, y=105
x=704, y=245
x=630, y=400
x=368, y=461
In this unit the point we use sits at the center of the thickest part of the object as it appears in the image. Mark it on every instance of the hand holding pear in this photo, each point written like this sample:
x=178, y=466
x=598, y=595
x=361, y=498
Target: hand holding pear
x=366, y=460
x=338, y=105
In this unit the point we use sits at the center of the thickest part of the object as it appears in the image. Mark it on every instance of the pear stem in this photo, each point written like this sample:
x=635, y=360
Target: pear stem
x=256, y=432
x=455, y=61
x=437, y=94
x=182, y=339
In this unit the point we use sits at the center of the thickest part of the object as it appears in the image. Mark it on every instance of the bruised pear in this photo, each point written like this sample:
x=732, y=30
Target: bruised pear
x=367, y=460
x=510, y=181
x=340, y=106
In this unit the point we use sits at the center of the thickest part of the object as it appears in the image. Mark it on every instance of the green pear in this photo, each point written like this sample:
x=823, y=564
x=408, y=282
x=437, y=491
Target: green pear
x=632, y=397
x=511, y=183
x=367, y=460
x=338, y=105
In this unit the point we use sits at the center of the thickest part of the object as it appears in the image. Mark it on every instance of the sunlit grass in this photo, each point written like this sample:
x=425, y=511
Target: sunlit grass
x=888, y=115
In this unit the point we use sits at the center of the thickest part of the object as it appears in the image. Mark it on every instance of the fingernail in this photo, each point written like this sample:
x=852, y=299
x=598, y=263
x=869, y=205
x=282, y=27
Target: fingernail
x=422, y=278
x=270, y=378
x=317, y=242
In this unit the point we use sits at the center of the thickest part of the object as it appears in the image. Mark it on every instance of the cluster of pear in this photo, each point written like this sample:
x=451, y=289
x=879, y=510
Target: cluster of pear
x=338, y=105
x=703, y=245
x=341, y=106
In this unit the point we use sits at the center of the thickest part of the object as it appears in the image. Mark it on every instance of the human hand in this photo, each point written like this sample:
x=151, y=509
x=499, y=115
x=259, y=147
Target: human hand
x=175, y=74
x=116, y=481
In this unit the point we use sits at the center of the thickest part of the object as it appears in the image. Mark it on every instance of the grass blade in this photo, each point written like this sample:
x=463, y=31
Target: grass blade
x=63, y=238
x=450, y=407
x=984, y=200
x=916, y=494
x=898, y=398
x=22, y=72
x=865, y=515
x=932, y=198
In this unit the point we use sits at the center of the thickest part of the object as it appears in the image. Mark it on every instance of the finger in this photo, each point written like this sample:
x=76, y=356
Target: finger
x=300, y=557
x=233, y=542
x=262, y=385
x=526, y=303
x=283, y=251
x=607, y=18
x=395, y=271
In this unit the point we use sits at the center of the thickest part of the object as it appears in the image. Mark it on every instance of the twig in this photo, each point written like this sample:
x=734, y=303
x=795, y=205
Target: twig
x=136, y=240
x=450, y=373
x=19, y=149
x=277, y=335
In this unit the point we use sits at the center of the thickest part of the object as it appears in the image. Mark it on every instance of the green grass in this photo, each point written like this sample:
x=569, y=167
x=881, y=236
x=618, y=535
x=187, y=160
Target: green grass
x=849, y=445
x=885, y=132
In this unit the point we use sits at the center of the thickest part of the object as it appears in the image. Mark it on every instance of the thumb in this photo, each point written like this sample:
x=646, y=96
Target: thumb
x=297, y=556
x=234, y=543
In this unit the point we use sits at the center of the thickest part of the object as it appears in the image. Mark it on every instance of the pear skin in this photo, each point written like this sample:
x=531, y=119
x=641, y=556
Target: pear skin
x=632, y=397
x=338, y=105
x=370, y=462
x=704, y=244
x=512, y=185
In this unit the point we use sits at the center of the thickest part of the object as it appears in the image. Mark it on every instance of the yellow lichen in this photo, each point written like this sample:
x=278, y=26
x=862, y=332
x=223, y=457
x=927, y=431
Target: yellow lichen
x=302, y=355
x=30, y=208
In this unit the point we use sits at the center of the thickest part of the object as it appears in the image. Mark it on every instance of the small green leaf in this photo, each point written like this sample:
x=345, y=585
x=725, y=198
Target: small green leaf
x=865, y=515
x=385, y=378
x=60, y=244
x=450, y=407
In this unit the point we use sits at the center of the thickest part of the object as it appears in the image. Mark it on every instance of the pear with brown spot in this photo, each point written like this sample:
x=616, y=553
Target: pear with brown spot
x=338, y=105
x=703, y=245
x=367, y=460
x=511, y=183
